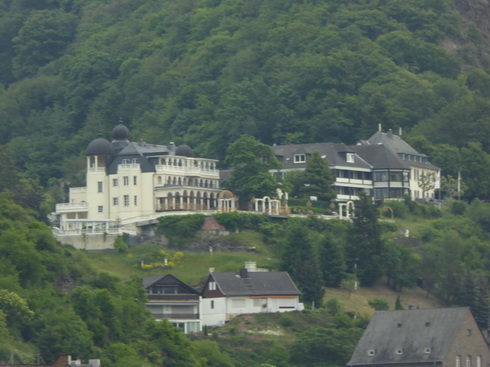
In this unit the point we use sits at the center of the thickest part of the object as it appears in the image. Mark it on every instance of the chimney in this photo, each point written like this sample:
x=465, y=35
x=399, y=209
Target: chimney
x=390, y=133
x=211, y=270
x=243, y=273
x=380, y=128
x=400, y=131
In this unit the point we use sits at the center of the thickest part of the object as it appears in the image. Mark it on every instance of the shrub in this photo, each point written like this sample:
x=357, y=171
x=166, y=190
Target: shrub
x=285, y=320
x=379, y=304
x=234, y=221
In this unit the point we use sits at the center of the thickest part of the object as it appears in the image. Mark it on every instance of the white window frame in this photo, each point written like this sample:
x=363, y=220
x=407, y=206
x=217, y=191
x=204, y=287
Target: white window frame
x=212, y=286
x=100, y=186
x=126, y=200
x=299, y=158
x=115, y=201
x=126, y=180
x=349, y=158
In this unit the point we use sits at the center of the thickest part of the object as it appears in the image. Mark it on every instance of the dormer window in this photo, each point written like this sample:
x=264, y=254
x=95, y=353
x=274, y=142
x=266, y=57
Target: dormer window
x=371, y=352
x=212, y=286
x=399, y=352
x=427, y=350
x=350, y=158
x=299, y=158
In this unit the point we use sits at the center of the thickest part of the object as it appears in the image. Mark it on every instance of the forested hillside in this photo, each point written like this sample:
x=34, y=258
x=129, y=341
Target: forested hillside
x=207, y=71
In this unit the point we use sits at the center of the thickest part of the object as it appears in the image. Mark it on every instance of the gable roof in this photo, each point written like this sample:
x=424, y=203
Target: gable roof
x=412, y=331
x=167, y=279
x=255, y=284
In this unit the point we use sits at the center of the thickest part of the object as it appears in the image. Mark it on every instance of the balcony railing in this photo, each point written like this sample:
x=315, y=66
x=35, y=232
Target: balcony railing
x=176, y=316
x=172, y=297
x=78, y=190
x=71, y=207
x=186, y=170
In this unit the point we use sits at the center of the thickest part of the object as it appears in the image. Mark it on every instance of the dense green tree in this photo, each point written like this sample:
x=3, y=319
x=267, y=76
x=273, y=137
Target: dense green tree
x=317, y=179
x=43, y=37
x=316, y=345
x=332, y=260
x=250, y=162
x=366, y=247
x=300, y=259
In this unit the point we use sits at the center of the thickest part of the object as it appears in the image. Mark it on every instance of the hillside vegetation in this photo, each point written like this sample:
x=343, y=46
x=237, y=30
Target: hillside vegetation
x=207, y=71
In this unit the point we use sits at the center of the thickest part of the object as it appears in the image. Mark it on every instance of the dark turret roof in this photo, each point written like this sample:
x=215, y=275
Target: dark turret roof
x=120, y=132
x=184, y=150
x=100, y=146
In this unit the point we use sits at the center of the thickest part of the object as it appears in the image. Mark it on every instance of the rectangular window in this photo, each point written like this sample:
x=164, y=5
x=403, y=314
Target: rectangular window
x=212, y=286
x=126, y=180
x=237, y=303
x=99, y=186
x=381, y=176
x=126, y=200
x=135, y=180
x=299, y=158
x=212, y=305
x=115, y=182
x=135, y=200
x=115, y=201
x=458, y=361
x=350, y=157
x=468, y=361
x=100, y=209
x=126, y=161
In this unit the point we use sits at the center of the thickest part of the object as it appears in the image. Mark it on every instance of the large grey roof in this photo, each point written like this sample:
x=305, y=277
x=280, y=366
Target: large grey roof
x=332, y=152
x=256, y=284
x=397, y=145
x=413, y=331
x=380, y=157
x=394, y=142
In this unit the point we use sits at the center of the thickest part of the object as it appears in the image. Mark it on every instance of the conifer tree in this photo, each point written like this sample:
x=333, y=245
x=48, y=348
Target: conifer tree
x=318, y=179
x=366, y=247
x=300, y=260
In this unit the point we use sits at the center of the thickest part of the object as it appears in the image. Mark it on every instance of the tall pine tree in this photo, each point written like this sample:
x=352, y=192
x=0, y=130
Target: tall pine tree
x=366, y=247
x=300, y=260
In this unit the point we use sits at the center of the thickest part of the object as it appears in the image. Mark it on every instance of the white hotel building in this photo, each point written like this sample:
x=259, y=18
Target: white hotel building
x=130, y=182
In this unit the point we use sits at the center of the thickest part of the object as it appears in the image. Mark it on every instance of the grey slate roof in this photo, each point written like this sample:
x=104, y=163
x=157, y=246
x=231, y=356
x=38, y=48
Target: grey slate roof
x=394, y=142
x=380, y=157
x=332, y=152
x=256, y=284
x=411, y=330
x=397, y=145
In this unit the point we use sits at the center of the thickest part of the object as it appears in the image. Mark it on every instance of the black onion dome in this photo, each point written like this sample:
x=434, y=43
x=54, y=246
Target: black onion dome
x=184, y=150
x=100, y=146
x=120, y=132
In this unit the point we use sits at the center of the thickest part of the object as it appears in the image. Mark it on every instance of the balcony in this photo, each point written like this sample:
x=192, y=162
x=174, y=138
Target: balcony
x=71, y=207
x=128, y=166
x=187, y=171
x=173, y=297
x=78, y=190
x=176, y=316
